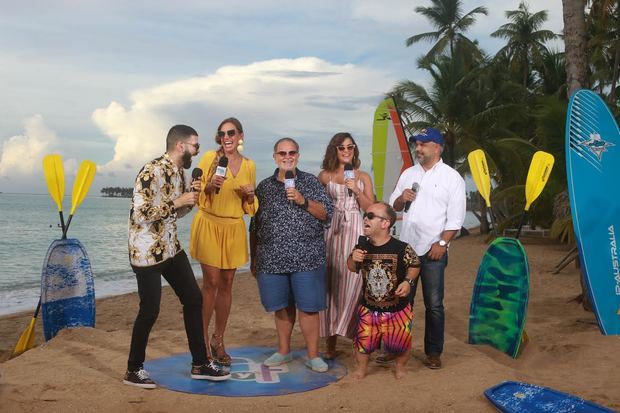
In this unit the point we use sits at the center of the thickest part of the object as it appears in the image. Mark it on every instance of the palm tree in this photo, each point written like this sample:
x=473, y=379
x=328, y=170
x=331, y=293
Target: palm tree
x=451, y=24
x=575, y=44
x=526, y=39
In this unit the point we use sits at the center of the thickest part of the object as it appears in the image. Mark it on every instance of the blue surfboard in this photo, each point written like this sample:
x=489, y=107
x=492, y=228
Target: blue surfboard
x=67, y=288
x=517, y=397
x=593, y=171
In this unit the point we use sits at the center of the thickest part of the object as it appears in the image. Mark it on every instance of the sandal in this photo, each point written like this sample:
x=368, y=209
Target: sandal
x=217, y=350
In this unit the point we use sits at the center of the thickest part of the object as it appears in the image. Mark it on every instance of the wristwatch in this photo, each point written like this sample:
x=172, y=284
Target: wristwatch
x=443, y=243
x=305, y=204
x=410, y=281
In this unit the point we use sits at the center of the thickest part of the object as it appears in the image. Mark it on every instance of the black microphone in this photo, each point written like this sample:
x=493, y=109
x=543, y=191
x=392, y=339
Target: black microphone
x=289, y=181
x=196, y=174
x=414, y=188
x=222, y=164
x=349, y=174
x=362, y=243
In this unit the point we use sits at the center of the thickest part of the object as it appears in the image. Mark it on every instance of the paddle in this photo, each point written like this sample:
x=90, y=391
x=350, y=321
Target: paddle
x=480, y=173
x=26, y=340
x=55, y=178
x=537, y=177
x=85, y=175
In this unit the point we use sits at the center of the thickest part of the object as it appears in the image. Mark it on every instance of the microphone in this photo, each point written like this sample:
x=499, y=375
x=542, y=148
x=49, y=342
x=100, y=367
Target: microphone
x=362, y=243
x=349, y=174
x=196, y=174
x=415, y=187
x=289, y=180
x=222, y=164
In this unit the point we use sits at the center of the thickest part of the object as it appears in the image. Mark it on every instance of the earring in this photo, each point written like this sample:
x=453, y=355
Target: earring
x=240, y=146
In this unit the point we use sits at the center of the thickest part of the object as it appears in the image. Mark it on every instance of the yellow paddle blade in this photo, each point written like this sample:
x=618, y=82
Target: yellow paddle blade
x=480, y=173
x=537, y=176
x=26, y=340
x=55, y=178
x=85, y=175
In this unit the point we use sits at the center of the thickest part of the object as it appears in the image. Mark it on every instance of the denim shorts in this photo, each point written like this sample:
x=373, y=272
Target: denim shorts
x=305, y=290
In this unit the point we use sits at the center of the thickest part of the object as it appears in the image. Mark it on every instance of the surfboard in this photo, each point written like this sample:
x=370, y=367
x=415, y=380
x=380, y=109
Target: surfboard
x=593, y=168
x=67, y=288
x=390, y=149
x=517, y=397
x=500, y=296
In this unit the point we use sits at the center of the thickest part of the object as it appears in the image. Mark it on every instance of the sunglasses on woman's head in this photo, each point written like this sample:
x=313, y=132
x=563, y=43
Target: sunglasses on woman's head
x=289, y=153
x=348, y=147
x=372, y=215
x=230, y=133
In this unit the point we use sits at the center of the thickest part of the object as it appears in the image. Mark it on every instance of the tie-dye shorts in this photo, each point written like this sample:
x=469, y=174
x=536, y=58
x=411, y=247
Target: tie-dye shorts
x=393, y=329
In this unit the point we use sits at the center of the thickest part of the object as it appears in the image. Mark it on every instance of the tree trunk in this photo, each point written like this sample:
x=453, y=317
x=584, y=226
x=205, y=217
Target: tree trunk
x=484, y=222
x=575, y=44
x=576, y=61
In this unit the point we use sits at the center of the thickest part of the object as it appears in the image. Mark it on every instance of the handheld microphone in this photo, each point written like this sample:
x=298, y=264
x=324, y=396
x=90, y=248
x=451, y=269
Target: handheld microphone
x=289, y=180
x=362, y=242
x=222, y=164
x=415, y=187
x=349, y=174
x=196, y=174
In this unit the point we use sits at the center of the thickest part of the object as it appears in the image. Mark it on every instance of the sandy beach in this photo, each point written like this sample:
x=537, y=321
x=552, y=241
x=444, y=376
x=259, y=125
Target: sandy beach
x=81, y=370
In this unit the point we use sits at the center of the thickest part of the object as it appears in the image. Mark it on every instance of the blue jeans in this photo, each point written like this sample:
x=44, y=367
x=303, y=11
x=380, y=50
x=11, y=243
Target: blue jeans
x=432, y=274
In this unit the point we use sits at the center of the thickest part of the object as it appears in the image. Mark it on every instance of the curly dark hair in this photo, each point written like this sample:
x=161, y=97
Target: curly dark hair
x=234, y=121
x=330, y=160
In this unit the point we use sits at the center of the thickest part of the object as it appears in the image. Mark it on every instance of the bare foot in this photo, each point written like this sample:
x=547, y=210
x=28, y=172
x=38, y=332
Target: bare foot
x=359, y=374
x=400, y=372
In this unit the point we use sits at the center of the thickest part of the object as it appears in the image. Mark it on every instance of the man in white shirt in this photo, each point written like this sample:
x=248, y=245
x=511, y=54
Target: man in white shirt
x=432, y=195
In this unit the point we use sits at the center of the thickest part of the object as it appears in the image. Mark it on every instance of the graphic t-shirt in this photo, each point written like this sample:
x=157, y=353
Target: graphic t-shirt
x=384, y=268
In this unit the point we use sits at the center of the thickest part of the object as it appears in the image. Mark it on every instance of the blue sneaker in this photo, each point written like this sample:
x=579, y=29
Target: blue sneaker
x=317, y=364
x=277, y=359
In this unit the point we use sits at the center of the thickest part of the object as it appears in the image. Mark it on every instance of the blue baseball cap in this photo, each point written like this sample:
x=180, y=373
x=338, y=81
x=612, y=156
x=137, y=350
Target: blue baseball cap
x=428, y=135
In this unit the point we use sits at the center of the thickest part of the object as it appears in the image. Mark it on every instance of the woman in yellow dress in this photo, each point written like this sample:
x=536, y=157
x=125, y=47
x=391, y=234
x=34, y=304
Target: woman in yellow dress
x=218, y=233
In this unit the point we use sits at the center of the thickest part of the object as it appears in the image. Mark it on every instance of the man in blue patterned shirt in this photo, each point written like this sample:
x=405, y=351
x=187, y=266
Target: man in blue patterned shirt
x=288, y=251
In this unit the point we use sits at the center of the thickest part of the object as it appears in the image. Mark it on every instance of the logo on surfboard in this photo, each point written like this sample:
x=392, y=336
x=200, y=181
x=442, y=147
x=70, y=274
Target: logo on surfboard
x=596, y=145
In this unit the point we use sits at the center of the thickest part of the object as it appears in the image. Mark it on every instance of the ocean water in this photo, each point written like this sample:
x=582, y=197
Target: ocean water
x=30, y=224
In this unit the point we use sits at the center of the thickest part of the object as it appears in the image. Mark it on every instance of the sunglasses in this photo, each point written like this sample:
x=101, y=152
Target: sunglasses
x=230, y=133
x=341, y=148
x=195, y=145
x=289, y=153
x=372, y=215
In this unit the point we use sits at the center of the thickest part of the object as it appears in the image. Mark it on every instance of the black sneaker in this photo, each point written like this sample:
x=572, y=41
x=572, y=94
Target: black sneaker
x=210, y=371
x=139, y=378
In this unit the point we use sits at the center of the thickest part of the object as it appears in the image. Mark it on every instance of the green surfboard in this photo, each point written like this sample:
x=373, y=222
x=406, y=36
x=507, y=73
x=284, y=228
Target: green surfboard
x=499, y=301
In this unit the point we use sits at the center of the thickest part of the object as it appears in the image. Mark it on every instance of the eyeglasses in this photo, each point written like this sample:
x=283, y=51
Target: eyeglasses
x=372, y=215
x=341, y=148
x=289, y=153
x=230, y=133
x=195, y=145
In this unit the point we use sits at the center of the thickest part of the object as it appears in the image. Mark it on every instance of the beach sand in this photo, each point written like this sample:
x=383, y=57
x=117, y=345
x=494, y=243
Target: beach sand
x=81, y=369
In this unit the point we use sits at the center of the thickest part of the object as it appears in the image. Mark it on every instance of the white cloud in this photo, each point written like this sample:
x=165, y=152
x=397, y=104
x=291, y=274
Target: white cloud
x=22, y=154
x=307, y=98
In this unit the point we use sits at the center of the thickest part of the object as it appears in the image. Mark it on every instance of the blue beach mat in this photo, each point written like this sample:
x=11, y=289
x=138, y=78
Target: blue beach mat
x=249, y=376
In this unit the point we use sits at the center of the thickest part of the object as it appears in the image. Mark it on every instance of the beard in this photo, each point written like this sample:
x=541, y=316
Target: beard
x=187, y=160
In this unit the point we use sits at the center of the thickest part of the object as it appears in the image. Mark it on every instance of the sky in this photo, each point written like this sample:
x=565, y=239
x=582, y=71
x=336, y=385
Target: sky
x=105, y=80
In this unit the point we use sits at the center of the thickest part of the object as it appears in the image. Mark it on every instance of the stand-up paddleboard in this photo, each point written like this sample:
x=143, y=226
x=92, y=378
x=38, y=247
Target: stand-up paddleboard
x=67, y=288
x=390, y=150
x=516, y=397
x=593, y=169
x=499, y=300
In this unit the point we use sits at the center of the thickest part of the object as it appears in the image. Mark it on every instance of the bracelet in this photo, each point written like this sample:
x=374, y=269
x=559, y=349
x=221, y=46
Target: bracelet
x=305, y=204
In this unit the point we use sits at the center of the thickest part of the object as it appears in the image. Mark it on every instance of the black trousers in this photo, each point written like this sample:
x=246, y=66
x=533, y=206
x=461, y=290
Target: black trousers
x=178, y=272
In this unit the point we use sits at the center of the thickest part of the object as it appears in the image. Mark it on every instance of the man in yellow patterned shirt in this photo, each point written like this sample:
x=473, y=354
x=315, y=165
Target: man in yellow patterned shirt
x=160, y=196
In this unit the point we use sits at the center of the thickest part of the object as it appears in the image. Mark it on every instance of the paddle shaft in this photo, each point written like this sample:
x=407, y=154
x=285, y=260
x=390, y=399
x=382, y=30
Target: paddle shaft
x=523, y=215
x=64, y=232
x=62, y=221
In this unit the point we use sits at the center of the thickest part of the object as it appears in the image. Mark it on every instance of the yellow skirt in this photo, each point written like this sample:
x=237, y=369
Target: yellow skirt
x=219, y=242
